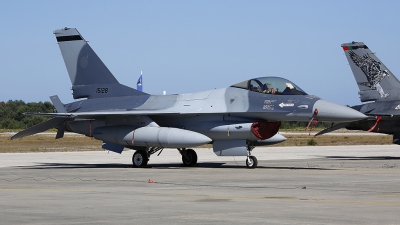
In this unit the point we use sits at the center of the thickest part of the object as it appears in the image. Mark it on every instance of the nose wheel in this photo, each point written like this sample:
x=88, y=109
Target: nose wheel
x=251, y=162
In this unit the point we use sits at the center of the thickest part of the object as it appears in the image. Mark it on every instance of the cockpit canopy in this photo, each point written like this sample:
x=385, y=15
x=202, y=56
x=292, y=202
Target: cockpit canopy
x=271, y=85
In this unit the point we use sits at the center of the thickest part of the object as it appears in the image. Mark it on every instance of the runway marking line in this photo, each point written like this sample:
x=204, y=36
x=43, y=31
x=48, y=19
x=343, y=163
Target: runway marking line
x=362, y=202
x=386, y=195
x=44, y=190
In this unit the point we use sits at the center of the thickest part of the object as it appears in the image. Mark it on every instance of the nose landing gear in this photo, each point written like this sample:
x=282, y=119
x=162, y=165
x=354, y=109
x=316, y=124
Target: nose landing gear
x=251, y=161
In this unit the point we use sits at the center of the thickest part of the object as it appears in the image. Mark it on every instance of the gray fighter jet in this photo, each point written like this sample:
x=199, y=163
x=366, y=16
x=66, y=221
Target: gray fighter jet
x=376, y=83
x=233, y=119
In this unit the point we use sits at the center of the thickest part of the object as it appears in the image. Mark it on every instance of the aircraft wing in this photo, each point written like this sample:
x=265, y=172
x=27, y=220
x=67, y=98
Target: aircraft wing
x=132, y=112
x=98, y=114
x=333, y=128
x=59, y=119
x=379, y=114
x=345, y=124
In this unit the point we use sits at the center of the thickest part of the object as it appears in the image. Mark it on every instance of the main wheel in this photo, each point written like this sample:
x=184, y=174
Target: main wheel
x=251, y=162
x=189, y=158
x=139, y=159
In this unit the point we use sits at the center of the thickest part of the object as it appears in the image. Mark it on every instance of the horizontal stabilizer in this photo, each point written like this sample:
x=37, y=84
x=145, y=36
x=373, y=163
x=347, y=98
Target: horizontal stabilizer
x=41, y=127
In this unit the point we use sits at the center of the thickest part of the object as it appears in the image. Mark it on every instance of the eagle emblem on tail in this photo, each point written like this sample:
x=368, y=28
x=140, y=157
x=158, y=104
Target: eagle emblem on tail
x=372, y=70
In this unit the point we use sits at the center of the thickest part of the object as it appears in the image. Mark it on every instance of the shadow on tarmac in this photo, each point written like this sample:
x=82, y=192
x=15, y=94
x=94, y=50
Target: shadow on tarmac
x=161, y=166
x=363, y=158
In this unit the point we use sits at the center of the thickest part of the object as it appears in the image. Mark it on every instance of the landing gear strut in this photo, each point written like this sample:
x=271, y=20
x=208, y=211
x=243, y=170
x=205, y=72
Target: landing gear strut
x=141, y=157
x=251, y=161
x=189, y=156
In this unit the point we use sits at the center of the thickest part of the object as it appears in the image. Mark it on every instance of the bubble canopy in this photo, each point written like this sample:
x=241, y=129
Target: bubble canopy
x=271, y=85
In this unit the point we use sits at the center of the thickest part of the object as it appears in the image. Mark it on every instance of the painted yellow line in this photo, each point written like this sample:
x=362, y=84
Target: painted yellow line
x=386, y=195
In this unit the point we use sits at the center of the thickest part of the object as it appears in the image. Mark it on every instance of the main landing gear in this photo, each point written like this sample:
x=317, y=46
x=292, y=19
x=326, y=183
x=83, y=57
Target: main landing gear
x=189, y=156
x=141, y=157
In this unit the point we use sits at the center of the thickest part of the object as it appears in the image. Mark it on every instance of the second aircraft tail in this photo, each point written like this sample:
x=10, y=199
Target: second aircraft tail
x=89, y=76
x=373, y=78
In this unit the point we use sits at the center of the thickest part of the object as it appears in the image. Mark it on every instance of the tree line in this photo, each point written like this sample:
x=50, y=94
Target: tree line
x=11, y=113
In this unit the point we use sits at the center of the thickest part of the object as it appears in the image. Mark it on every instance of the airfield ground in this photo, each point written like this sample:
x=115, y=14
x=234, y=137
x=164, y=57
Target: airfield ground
x=292, y=185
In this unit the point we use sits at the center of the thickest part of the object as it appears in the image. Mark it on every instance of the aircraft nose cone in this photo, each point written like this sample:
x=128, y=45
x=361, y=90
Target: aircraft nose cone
x=329, y=111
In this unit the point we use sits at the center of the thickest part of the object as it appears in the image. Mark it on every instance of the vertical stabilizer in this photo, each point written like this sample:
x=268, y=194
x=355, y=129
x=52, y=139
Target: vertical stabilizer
x=89, y=76
x=373, y=78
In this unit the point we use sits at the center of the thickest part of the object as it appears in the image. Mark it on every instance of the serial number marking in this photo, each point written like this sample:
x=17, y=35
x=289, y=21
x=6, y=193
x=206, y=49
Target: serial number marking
x=102, y=90
x=268, y=107
x=269, y=104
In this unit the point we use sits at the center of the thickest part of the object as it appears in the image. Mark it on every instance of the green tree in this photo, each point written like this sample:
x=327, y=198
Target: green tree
x=12, y=113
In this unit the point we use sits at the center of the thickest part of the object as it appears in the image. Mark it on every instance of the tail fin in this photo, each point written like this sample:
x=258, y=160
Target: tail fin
x=89, y=76
x=374, y=79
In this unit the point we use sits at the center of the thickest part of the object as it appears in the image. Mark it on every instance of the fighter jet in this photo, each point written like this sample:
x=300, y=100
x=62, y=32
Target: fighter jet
x=234, y=119
x=377, y=84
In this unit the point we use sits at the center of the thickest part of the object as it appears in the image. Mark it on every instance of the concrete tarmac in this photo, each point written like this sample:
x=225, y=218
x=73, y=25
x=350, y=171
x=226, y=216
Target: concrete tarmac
x=292, y=185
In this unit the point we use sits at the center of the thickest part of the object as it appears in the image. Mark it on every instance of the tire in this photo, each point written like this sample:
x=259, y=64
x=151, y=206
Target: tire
x=251, y=162
x=190, y=158
x=139, y=159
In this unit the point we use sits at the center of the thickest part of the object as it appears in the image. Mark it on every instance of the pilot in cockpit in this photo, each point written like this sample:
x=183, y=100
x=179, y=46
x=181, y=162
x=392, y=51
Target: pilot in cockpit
x=268, y=89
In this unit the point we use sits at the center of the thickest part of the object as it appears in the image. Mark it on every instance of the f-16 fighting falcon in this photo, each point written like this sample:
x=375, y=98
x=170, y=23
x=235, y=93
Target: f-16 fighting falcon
x=376, y=83
x=233, y=119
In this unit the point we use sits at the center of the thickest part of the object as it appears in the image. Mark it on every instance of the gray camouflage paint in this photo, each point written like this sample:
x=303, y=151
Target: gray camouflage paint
x=220, y=114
